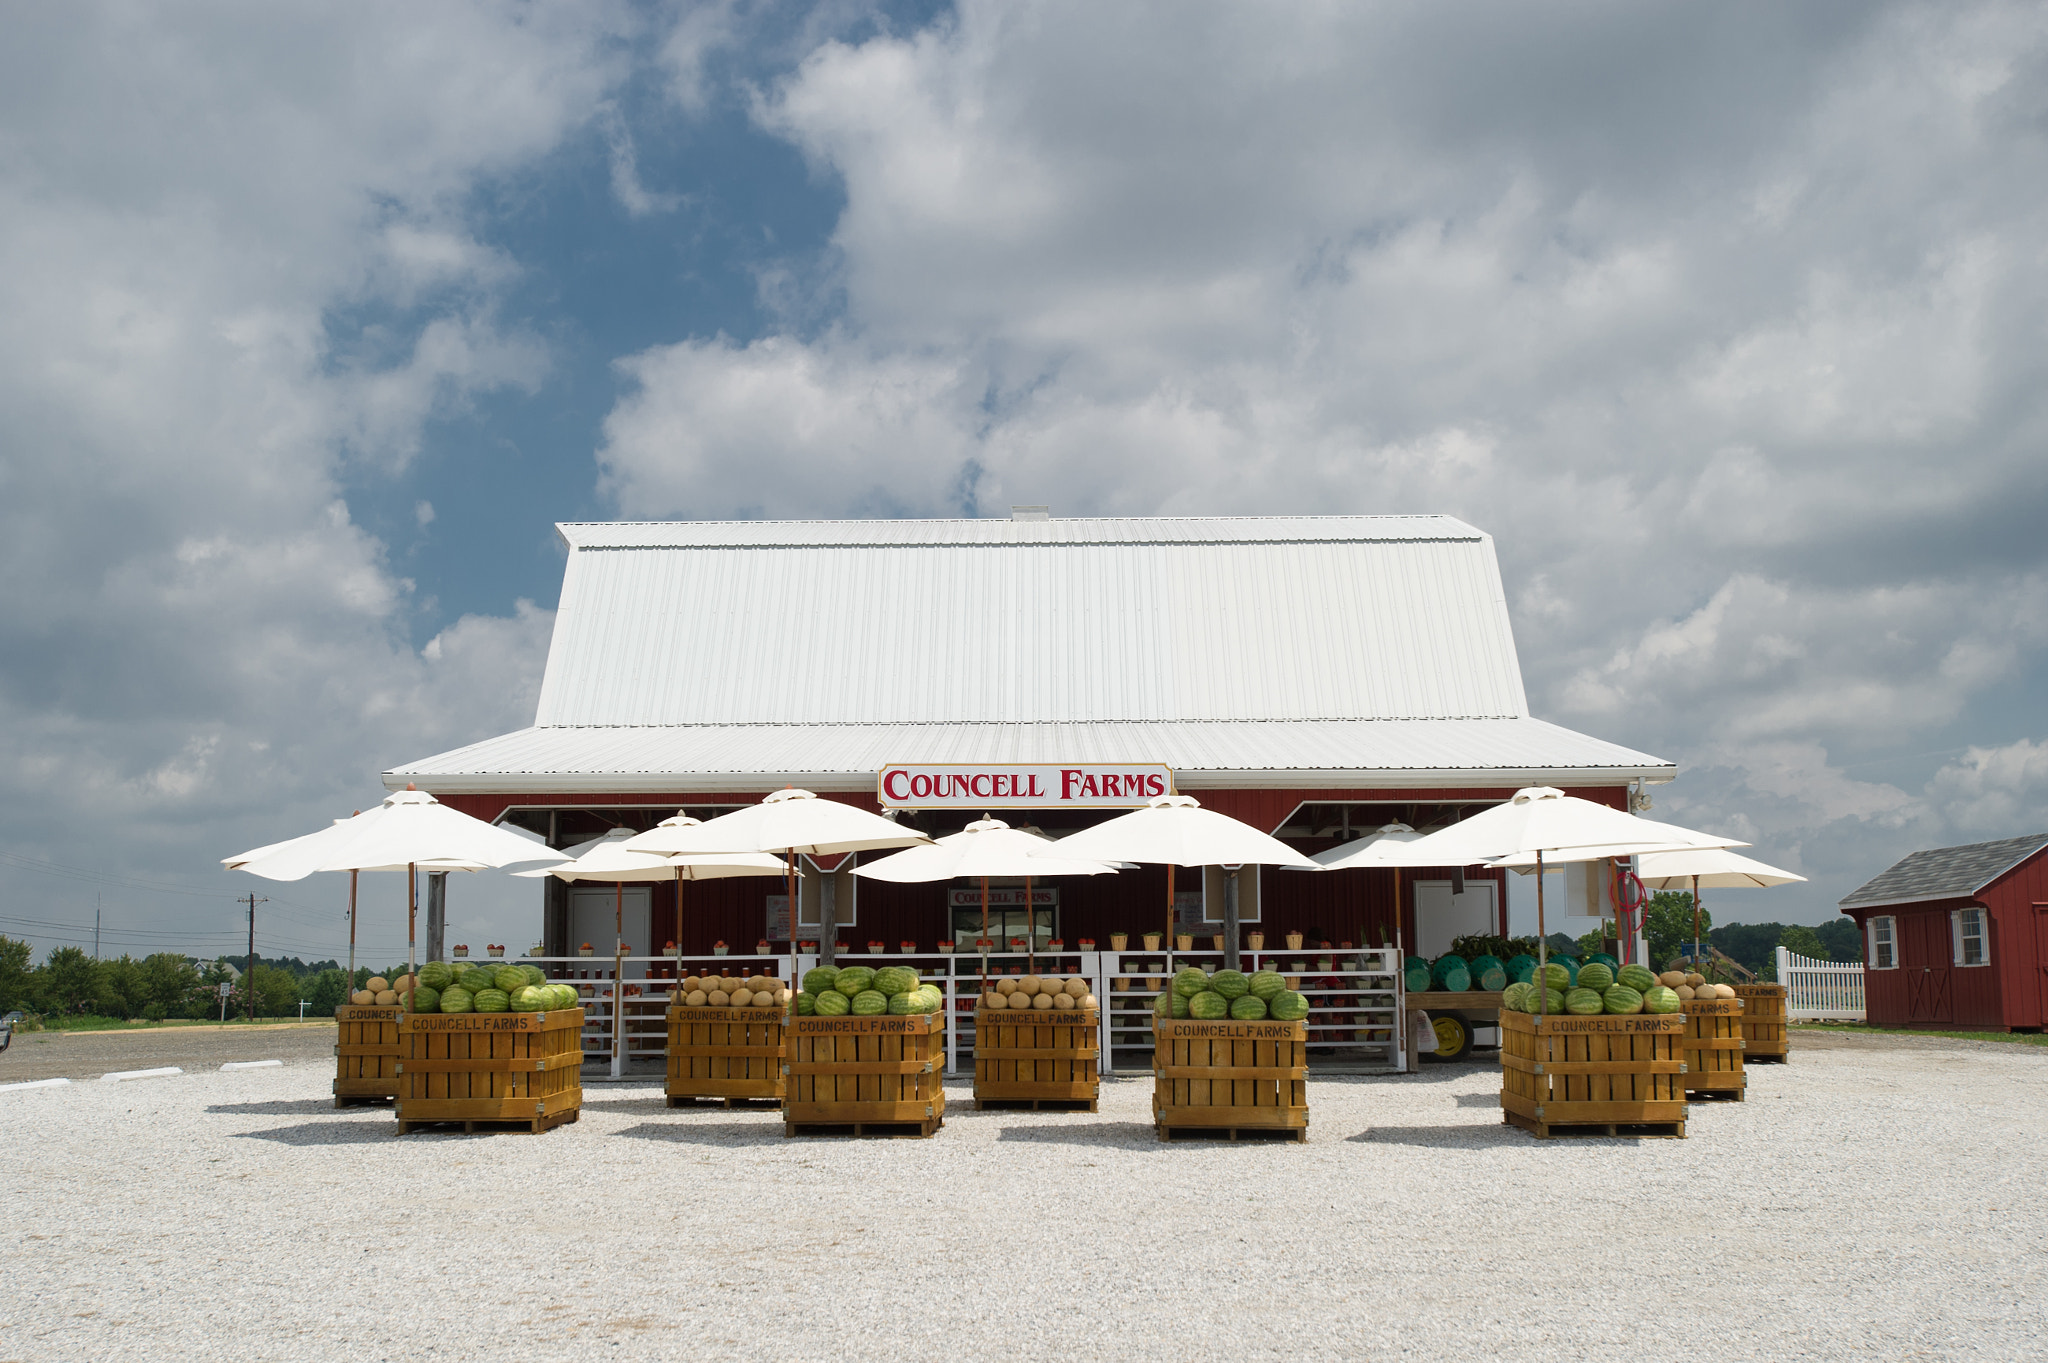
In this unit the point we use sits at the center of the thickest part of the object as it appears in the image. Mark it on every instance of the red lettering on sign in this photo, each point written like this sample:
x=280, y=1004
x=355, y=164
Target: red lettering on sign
x=1068, y=780
x=974, y=785
x=1111, y=787
x=1035, y=791
x=1089, y=786
x=1155, y=786
x=920, y=785
x=889, y=785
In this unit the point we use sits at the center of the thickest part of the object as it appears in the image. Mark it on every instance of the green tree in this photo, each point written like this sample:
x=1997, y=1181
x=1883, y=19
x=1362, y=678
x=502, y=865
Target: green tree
x=166, y=981
x=70, y=980
x=17, y=981
x=120, y=993
x=1801, y=940
x=324, y=992
x=1751, y=944
x=1668, y=924
x=1844, y=940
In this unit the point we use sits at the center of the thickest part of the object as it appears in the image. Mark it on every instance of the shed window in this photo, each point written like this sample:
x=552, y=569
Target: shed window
x=1884, y=952
x=1969, y=937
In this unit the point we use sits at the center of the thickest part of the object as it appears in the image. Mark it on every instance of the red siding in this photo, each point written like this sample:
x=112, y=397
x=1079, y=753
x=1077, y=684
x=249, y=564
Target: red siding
x=1928, y=989
x=2018, y=901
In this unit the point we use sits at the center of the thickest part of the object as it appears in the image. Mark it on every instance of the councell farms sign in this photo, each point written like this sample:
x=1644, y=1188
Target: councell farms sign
x=1023, y=786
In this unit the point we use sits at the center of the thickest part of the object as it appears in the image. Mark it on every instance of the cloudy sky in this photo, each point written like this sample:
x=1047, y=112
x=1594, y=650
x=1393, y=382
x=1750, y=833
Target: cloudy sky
x=1726, y=321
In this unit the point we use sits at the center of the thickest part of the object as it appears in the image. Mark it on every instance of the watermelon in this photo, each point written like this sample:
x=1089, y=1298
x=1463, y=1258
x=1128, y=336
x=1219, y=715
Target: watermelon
x=562, y=995
x=1635, y=977
x=1190, y=981
x=1287, y=1006
x=1619, y=998
x=1553, y=1000
x=456, y=999
x=1176, y=1004
x=437, y=975
x=1514, y=996
x=1556, y=976
x=1522, y=967
x=529, y=998
x=894, y=981
x=1208, y=1006
x=474, y=978
x=1596, y=975
x=853, y=980
x=868, y=1002
x=1248, y=1008
x=1571, y=970
x=806, y=1004
x=901, y=1004
x=534, y=974
x=493, y=1001
x=1488, y=973
x=426, y=1000
x=1231, y=984
x=507, y=978
x=1415, y=975
x=1659, y=999
x=1265, y=984
x=819, y=978
x=1583, y=1002
x=933, y=998
x=832, y=1004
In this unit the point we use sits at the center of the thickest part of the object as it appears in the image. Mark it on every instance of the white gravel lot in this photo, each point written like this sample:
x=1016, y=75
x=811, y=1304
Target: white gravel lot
x=1867, y=1202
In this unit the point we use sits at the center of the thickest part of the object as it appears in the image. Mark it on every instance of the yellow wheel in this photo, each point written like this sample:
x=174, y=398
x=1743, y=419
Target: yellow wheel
x=1453, y=1038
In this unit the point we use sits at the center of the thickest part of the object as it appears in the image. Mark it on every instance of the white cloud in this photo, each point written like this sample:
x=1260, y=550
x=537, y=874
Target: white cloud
x=1996, y=792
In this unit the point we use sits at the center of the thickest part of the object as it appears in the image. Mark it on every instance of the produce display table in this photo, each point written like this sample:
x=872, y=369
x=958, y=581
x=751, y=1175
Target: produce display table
x=365, y=1054
x=1037, y=1058
x=496, y=1068
x=877, y=1075
x=1713, y=1049
x=1763, y=1023
x=1230, y=1078
x=1607, y=1075
x=733, y=1055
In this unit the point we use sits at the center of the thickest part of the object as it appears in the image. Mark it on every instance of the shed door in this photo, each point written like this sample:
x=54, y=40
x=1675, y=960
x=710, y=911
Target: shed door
x=1925, y=963
x=1441, y=916
x=594, y=917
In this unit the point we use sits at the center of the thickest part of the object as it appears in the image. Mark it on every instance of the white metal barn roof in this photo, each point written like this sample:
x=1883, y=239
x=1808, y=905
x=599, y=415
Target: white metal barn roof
x=1229, y=648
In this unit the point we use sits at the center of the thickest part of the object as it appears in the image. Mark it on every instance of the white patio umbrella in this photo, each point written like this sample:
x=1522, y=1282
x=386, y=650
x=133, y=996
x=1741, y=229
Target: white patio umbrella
x=1543, y=821
x=1715, y=868
x=1177, y=831
x=409, y=830
x=788, y=822
x=1387, y=848
x=987, y=847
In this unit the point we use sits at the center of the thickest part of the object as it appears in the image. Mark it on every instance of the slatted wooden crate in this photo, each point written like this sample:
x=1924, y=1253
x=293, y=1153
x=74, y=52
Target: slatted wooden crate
x=1763, y=1023
x=496, y=1068
x=365, y=1054
x=1229, y=1077
x=1604, y=1075
x=880, y=1075
x=1037, y=1058
x=1713, y=1049
x=730, y=1054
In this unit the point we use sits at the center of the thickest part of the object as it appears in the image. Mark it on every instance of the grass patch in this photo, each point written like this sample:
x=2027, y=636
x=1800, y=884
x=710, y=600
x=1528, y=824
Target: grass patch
x=93, y=1022
x=2019, y=1038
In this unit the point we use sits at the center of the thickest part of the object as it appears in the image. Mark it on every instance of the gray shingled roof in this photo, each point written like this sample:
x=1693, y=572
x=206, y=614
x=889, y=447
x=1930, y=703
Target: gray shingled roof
x=1947, y=872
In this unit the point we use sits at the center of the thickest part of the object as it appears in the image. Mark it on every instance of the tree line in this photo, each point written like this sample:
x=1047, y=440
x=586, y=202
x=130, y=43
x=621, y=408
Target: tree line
x=71, y=983
x=1668, y=929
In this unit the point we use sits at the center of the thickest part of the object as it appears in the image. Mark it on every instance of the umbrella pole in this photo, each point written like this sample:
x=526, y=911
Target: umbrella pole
x=618, y=976
x=1030, y=931
x=349, y=992
x=412, y=911
x=1542, y=946
x=1169, y=913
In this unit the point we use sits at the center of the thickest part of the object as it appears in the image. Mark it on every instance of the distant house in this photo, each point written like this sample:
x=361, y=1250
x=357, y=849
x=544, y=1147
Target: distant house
x=1958, y=937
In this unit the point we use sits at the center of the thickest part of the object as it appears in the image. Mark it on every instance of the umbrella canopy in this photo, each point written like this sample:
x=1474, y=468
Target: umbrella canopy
x=609, y=859
x=787, y=821
x=1545, y=820
x=411, y=828
x=1177, y=831
x=1387, y=848
x=986, y=847
x=1711, y=868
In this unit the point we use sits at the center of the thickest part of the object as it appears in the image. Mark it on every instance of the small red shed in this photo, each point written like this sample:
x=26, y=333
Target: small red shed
x=1958, y=937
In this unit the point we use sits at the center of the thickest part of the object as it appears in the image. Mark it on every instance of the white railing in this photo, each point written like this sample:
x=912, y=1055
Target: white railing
x=1820, y=989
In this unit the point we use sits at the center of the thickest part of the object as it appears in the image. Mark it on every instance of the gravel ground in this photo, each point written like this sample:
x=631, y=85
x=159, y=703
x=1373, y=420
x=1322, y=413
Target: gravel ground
x=88, y=1055
x=1868, y=1201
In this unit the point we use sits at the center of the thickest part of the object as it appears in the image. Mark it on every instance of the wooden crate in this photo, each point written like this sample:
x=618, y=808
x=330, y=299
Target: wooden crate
x=1230, y=1076
x=519, y=1068
x=730, y=1054
x=1037, y=1058
x=1713, y=1049
x=365, y=1054
x=1565, y=1074
x=878, y=1075
x=1763, y=1023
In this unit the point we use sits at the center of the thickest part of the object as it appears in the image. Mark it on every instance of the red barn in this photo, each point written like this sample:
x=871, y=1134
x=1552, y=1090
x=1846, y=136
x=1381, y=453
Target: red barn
x=1958, y=937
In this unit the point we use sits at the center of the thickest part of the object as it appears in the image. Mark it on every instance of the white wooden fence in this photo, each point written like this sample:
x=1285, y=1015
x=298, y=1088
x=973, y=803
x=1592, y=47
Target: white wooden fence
x=1820, y=989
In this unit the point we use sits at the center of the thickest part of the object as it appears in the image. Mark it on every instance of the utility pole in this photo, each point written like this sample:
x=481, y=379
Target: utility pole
x=95, y=927
x=249, y=985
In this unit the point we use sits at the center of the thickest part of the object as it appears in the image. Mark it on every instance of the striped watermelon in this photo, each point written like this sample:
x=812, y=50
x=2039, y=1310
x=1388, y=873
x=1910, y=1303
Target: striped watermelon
x=1622, y=1000
x=1583, y=1002
x=1265, y=984
x=1248, y=1008
x=868, y=1003
x=832, y=1004
x=1287, y=1006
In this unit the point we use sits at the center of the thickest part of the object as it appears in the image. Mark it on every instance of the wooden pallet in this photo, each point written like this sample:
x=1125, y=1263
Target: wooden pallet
x=523, y=1069
x=1713, y=1049
x=1038, y=1057
x=902, y=1131
x=1267, y=1134
x=365, y=1055
x=728, y=1104
x=1225, y=1074
x=1562, y=1072
x=1037, y=1105
x=726, y=1053
x=1544, y=1131
x=855, y=1073
x=538, y=1123
x=1779, y=1059
x=1716, y=1095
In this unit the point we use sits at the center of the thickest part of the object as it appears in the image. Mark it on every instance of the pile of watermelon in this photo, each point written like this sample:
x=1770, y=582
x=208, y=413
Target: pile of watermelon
x=832, y=991
x=1589, y=989
x=460, y=987
x=1231, y=994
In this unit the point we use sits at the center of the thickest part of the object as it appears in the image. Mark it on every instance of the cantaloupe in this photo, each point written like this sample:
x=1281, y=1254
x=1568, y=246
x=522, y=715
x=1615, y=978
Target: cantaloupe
x=377, y=984
x=740, y=998
x=696, y=998
x=363, y=997
x=1686, y=993
x=1029, y=984
x=995, y=1000
x=1063, y=1000
x=1671, y=979
x=1042, y=1002
x=718, y=998
x=1694, y=978
x=386, y=998
x=1077, y=986
x=690, y=984
x=1006, y=987
x=1087, y=1001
